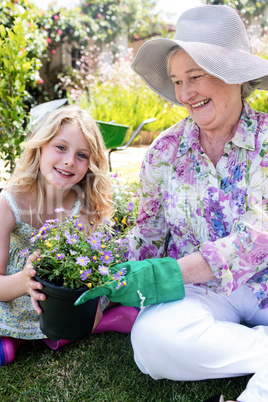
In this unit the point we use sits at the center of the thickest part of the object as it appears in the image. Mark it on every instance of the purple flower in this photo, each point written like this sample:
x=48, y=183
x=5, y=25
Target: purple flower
x=33, y=239
x=51, y=221
x=79, y=225
x=130, y=207
x=24, y=252
x=94, y=241
x=71, y=239
x=120, y=284
x=60, y=256
x=107, y=257
x=59, y=210
x=119, y=274
x=148, y=251
x=43, y=230
x=103, y=270
x=86, y=274
x=82, y=261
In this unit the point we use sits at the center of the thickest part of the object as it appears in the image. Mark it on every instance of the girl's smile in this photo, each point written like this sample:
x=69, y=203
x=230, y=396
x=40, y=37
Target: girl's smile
x=64, y=173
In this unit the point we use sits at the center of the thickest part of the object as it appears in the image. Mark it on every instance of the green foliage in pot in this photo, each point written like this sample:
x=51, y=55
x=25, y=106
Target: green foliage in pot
x=70, y=255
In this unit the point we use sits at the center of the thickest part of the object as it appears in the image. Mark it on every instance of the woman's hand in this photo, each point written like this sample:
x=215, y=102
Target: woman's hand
x=33, y=286
x=150, y=281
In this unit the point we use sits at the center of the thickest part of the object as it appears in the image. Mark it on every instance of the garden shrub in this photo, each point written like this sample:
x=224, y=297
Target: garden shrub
x=17, y=69
x=115, y=92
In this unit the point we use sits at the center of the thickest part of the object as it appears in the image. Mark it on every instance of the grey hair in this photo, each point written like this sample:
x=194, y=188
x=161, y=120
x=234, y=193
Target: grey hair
x=170, y=54
x=247, y=88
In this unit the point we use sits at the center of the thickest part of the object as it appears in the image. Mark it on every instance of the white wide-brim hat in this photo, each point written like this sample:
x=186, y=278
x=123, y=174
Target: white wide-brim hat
x=216, y=39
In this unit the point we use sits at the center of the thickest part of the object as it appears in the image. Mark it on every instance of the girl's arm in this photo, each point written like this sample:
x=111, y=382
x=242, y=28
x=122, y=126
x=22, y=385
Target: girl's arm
x=16, y=285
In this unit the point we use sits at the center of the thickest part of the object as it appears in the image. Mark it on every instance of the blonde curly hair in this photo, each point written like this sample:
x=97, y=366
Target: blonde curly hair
x=94, y=190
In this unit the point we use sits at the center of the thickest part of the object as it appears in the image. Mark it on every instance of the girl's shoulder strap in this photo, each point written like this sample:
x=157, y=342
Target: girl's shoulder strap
x=76, y=207
x=13, y=204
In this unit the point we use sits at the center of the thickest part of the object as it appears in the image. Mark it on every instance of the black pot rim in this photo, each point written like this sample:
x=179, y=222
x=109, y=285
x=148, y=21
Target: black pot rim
x=51, y=284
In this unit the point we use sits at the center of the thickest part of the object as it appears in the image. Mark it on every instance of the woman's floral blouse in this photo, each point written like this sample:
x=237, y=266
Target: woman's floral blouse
x=188, y=205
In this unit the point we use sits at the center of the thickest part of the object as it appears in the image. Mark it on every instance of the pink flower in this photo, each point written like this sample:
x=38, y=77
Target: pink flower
x=264, y=162
x=53, y=51
x=56, y=17
x=59, y=31
x=41, y=81
x=257, y=250
x=99, y=15
x=49, y=40
x=166, y=147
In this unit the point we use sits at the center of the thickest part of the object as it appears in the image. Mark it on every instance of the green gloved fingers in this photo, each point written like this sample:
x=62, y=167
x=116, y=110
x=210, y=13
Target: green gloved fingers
x=150, y=281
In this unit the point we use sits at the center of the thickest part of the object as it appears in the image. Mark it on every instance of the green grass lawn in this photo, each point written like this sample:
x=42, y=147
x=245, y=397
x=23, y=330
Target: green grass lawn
x=99, y=368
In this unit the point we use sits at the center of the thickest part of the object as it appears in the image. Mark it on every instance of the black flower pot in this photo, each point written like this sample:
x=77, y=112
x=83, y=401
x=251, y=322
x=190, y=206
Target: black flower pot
x=60, y=318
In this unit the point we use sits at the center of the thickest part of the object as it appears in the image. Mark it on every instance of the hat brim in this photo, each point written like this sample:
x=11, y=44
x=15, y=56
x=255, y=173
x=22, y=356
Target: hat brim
x=231, y=66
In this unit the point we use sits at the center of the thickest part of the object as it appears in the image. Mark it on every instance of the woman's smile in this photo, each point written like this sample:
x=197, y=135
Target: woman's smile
x=200, y=103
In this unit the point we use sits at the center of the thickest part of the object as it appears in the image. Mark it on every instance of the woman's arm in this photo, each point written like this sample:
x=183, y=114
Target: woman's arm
x=195, y=269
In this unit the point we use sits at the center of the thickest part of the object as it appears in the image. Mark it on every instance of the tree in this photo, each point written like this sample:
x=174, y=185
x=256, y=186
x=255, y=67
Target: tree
x=92, y=24
x=251, y=7
x=18, y=68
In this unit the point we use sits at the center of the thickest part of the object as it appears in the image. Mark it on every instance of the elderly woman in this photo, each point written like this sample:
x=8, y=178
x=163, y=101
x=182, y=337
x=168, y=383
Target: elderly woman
x=204, y=203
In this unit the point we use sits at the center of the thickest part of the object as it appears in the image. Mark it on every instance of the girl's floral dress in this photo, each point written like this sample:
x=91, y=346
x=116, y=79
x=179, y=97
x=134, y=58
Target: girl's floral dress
x=188, y=205
x=17, y=318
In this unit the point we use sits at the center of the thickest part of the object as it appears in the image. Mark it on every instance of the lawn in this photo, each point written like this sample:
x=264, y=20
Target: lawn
x=98, y=368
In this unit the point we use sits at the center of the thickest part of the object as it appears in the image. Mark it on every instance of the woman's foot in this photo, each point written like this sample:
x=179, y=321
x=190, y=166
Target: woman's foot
x=8, y=349
x=118, y=319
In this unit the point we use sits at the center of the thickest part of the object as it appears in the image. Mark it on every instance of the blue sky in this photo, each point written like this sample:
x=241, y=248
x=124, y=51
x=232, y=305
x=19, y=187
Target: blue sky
x=175, y=7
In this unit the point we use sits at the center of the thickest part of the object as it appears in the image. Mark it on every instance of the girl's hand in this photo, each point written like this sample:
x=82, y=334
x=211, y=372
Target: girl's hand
x=32, y=286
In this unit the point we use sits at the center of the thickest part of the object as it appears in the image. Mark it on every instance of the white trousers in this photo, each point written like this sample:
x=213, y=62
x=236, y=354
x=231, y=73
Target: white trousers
x=201, y=337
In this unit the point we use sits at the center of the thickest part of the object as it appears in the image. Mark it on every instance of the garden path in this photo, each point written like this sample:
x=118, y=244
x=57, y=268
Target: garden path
x=128, y=162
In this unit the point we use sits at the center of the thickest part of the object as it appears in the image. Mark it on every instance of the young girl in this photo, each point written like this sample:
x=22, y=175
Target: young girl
x=63, y=165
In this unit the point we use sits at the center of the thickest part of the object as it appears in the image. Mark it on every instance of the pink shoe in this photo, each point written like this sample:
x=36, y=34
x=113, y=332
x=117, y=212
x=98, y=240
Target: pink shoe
x=119, y=319
x=8, y=349
x=55, y=344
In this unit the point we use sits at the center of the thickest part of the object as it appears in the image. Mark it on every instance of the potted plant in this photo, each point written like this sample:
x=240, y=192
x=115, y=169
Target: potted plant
x=72, y=259
x=125, y=202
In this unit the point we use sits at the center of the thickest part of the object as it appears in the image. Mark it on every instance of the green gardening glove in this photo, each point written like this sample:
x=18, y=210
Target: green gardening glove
x=151, y=281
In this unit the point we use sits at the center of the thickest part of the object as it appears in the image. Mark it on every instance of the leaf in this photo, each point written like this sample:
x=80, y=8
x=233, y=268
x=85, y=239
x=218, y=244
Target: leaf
x=2, y=31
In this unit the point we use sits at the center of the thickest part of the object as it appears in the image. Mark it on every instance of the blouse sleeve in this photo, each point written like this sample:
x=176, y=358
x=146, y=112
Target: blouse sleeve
x=242, y=256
